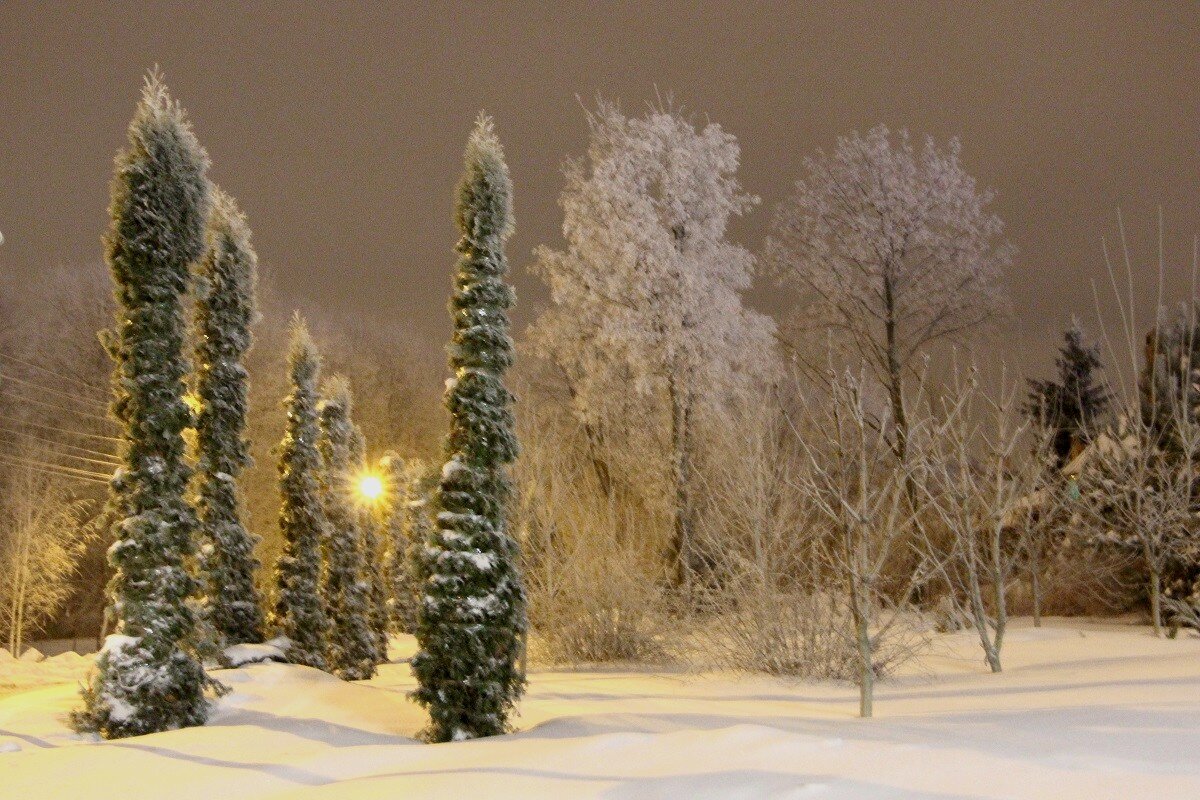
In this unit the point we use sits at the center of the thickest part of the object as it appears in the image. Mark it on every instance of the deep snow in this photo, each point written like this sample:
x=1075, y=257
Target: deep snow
x=1083, y=710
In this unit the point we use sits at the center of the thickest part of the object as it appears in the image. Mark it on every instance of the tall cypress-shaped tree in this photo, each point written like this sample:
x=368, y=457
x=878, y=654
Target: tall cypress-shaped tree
x=351, y=650
x=1069, y=407
x=148, y=676
x=472, y=614
x=224, y=313
x=299, y=614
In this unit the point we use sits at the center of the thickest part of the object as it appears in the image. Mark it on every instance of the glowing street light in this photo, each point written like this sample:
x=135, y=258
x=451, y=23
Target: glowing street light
x=369, y=487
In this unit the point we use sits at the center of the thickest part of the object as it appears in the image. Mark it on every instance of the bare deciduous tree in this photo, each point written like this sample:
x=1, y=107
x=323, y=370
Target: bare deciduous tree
x=894, y=249
x=860, y=493
x=978, y=484
x=44, y=535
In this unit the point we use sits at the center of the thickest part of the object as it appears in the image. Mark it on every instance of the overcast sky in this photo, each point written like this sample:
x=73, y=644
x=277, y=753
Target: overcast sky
x=340, y=130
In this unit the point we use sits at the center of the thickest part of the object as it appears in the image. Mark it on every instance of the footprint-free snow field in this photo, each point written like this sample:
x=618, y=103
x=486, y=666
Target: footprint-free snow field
x=1081, y=711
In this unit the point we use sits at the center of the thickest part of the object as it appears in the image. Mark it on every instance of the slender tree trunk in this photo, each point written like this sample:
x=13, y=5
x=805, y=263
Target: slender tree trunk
x=866, y=680
x=681, y=547
x=999, y=576
x=1156, y=601
x=1035, y=584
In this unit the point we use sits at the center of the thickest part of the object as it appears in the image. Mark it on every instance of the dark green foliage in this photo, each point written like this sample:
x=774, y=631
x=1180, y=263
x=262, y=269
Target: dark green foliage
x=471, y=618
x=352, y=648
x=224, y=314
x=1068, y=408
x=148, y=677
x=409, y=525
x=299, y=614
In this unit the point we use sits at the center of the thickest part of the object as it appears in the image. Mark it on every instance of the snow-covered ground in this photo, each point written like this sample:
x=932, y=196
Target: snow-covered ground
x=1083, y=710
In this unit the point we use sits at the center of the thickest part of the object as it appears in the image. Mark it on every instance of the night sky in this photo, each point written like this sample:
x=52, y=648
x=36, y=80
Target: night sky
x=340, y=131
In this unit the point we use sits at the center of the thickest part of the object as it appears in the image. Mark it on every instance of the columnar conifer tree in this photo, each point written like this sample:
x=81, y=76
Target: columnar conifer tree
x=148, y=676
x=299, y=614
x=372, y=554
x=351, y=647
x=225, y=311
x=472, y=614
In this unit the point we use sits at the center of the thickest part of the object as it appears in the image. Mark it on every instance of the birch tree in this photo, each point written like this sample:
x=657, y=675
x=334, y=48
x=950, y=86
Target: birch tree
x=894, y=250
x=648, y=324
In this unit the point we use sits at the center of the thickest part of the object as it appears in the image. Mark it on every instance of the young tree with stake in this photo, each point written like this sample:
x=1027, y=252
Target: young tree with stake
x=472, y=618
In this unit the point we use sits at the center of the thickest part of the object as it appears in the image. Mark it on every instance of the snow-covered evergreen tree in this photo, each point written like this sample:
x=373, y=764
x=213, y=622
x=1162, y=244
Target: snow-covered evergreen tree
x=148, y=676
x=299, y=614
x=409, y=526
x=225, y=312
x=351, y=650
x=472, y=616
x=647, y=325
x=374, y=573
x=1070, y=407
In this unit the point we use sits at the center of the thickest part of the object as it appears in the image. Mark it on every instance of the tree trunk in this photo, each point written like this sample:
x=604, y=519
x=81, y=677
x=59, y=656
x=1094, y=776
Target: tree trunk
x=1035, y=585
x=681, y=547
x=1156, y=602
x=866, y=680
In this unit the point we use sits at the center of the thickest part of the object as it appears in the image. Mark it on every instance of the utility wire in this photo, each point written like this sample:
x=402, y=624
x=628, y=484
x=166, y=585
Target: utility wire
x=98, y=436
x=57, y=443
x=49, y=371
x=104, y=463
x=89, y=402
x=53, y=407
x=56, y=473
x=50, y=467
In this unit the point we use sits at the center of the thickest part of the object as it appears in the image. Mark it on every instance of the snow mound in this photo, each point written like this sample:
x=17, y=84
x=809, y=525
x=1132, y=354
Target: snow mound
x=5, y=655
x=32, y=655
x=1081, y=712
x=241, y=654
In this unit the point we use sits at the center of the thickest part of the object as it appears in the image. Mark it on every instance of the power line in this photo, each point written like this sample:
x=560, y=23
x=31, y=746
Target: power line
x=62, y=430
x=49, y=371
x=53, y=407
x=104, y=463
x=60, y=469
x=47, y=471
x=56, y=443
x=94, y=404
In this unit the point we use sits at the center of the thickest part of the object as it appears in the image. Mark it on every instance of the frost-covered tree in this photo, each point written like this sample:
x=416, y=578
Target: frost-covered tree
x=472, y=616
x=148, y=677
x=408, y=527
x=224, y=314
x=351, y=649
x=299, y=613
x=371, y=522
x=43, y=533
x=895, y=250
x=1068, y=408
x=1169, y=383
x=647, y=321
